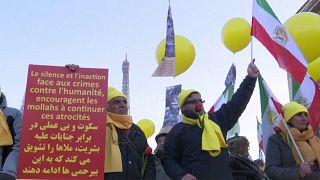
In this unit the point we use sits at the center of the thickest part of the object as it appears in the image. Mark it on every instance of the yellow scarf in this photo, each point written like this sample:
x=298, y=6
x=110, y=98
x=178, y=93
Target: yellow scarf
x=308, y=144
x=113, y=161
x=212, y=138
x=5, y=135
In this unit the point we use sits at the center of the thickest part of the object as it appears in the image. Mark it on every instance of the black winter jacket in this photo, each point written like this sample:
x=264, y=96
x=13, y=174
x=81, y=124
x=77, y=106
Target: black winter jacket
x=182, y=151
x=132, y=145
x=244, y=169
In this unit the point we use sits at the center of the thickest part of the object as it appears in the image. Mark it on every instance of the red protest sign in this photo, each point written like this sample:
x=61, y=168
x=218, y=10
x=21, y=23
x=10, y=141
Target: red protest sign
x=64, y=120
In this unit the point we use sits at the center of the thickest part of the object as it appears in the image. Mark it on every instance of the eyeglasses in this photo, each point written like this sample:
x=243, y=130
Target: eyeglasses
x=119, y=101
x=195, y=101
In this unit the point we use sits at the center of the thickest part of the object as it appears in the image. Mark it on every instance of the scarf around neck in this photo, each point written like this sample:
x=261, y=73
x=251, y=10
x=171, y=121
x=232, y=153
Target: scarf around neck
x=5, y=134
x=212, y=139
x=308, y=145
x=113, y=160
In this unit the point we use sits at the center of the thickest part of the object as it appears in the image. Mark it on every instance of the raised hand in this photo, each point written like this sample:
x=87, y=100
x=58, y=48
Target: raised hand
x=253, y=70
x=72, y=67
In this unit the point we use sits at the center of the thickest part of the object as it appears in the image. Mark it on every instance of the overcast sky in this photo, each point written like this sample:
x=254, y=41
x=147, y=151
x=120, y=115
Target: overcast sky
x=98, y=33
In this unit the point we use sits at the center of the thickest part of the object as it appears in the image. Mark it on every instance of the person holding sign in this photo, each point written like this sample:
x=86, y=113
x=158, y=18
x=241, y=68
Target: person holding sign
x=10, y=134
x=128, y=155
x=283, y=160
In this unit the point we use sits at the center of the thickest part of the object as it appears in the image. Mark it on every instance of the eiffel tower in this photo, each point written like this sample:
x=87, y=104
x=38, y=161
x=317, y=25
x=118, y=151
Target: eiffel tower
x=125, y=80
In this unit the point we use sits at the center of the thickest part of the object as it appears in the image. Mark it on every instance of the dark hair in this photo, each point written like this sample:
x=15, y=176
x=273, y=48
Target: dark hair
x=160, y=135
x=290, y=124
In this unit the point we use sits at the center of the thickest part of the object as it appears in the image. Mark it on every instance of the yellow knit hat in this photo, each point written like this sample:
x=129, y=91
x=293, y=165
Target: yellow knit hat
x=113, y=92
x=183, y=95
x=291, y=109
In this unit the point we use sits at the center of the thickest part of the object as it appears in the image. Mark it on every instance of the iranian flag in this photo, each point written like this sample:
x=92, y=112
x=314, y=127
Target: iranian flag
x=226, y=96
x=270, y=111
x=260, y=140
x=259, y=135
x=267, y=28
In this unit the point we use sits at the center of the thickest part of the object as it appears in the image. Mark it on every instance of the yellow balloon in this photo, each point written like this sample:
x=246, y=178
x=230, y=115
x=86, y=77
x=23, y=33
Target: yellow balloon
x=304, y=28
x=314, y=69
x=236, y=34
x=185, y=53
x=147, y=126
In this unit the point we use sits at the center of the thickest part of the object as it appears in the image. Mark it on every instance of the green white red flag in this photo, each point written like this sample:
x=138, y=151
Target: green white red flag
x=260, y=140
x=270, y=111
x=259, y=134
x=267, y=28
x=226, y=96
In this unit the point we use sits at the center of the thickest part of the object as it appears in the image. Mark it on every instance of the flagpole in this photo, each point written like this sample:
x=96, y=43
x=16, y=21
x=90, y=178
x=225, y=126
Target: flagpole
x=251, y=48
x=251, y=35
x=292, y=140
